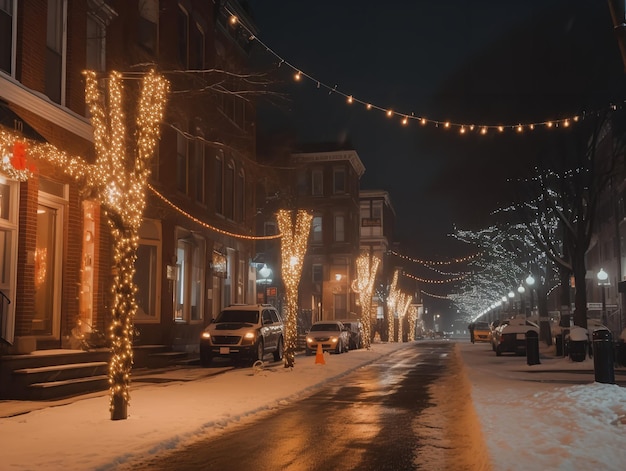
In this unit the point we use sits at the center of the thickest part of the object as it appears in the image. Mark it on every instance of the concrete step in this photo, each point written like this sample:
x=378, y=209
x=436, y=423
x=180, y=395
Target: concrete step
x=66, y=388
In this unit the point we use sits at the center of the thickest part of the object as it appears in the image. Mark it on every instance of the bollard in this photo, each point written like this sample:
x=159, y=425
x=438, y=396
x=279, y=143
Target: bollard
x=603, y=356
x=558, y=341
x=532, y=348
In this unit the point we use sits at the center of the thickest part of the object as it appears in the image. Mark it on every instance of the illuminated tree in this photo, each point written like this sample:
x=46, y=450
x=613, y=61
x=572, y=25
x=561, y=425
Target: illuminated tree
x=119, y=178
x=404, y=301
x=366, y=268
x=412, y=322
x=392, y=300
x=295, y=227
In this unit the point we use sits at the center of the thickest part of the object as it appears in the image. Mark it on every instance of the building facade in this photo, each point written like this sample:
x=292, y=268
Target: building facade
x=197, y=236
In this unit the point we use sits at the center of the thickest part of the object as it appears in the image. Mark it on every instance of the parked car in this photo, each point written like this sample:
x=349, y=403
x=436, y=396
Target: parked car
x=355, y=329
x=482, y=332
x=245, y=332
x=510, y=336
x=331, y=335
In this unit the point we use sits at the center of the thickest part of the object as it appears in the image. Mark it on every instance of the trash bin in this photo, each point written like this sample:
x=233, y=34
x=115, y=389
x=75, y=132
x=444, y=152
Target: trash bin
x=532, y=348
x=577, y=343
x=558, y=342
x=603, y=356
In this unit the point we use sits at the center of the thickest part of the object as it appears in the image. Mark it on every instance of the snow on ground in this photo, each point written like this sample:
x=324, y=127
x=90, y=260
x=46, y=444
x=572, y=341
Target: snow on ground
x=548, y=416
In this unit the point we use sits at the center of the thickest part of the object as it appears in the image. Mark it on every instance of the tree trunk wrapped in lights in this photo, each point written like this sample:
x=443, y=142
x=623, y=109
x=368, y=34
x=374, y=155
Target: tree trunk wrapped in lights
x=392, y=301
x=404, y=301
x=366, y=268
x=412, y=323
x=120, y=184
x=294, y=227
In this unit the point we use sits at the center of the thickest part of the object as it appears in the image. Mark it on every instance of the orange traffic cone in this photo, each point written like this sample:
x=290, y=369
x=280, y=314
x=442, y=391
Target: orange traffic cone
x=319, y=355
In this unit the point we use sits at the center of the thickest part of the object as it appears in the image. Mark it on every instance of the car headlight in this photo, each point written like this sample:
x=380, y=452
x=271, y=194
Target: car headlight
x=249, y=336
x=309, y=340
x=334, y=339
x=206, y=335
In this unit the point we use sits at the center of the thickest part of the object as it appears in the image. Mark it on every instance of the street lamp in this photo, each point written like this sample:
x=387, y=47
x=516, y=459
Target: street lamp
x=603, y=282
x=530, y=281
x=511, y=296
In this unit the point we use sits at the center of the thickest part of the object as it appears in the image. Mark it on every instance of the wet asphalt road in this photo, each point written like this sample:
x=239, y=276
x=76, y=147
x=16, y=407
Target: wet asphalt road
x=362, y=421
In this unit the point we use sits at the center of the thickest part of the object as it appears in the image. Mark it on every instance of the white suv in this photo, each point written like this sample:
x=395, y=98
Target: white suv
x=247, y=331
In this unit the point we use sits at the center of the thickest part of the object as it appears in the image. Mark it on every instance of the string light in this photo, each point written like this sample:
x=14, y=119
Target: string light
x=462, y=128
x=122, y=194
x=295, y=228
x=209, y=226
x=412, y=322
x=436, y=296
x=436, y=282
x=366, y=268
x=435, y=262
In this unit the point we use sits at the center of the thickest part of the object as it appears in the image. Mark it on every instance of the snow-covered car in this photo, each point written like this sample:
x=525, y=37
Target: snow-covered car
x=510, y=336
x=247, y=331
x=482, y=332
x=331, y=335
x=355, y=329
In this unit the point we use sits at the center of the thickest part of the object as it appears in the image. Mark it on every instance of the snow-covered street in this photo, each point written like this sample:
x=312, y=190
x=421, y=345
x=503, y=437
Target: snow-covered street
x=547, y=416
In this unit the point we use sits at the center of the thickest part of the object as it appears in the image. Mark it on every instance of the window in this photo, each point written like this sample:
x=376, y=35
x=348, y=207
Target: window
x=183, y=36
x=198, y=48
x=98, y=17
x=55, y=37
x=318, y=273
x=190, y=254
x=229, y=190
x=240, y=197
x=317, y=183
x=339, y=180
x=340, y=306
x=148, y=21
x=147, y=272
x=6, y=35
x=199, y=171
x=301, y=183
x=316, y=228
x=340, y=231
x=219, y=184
x=181, y=162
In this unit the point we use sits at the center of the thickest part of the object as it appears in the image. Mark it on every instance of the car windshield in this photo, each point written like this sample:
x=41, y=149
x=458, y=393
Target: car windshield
x=324, y=327
x=481, y=326
x=248, y=317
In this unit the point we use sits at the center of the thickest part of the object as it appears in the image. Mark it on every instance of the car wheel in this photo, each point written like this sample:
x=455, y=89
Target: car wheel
x=260, y=350
x=278, y=353
x=205, y=358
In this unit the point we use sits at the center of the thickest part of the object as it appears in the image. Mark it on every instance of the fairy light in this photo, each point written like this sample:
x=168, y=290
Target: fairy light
x=436, y=282
x=366, y=268
x=404, y=301
x=350, y=99
x=122, y=192
x=207, y=225
x=392, y=300
x=297, y=76
x=435, y=262
x=483, y=128
x=295, y=228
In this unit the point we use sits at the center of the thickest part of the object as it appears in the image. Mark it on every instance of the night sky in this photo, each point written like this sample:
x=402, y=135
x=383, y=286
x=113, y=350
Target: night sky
x=492, y=62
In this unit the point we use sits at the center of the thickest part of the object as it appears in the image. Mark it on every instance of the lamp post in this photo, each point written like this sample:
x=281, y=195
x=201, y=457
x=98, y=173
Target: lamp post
x=530, y=281
x=521, y=290
x=511, y=296
x=265, y=272
x=603, y=282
